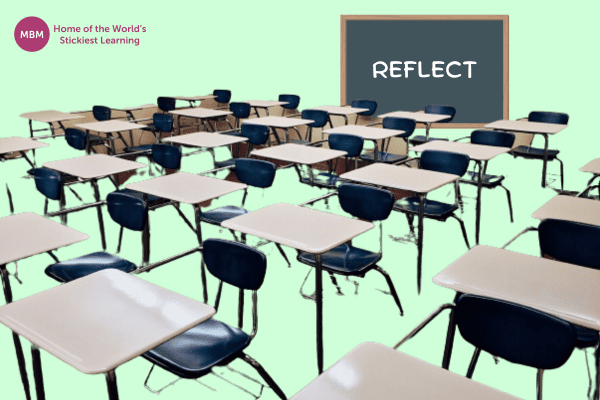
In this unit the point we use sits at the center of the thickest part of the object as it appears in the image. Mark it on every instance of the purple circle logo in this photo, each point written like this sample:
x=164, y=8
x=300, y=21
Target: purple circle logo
x=32, y=34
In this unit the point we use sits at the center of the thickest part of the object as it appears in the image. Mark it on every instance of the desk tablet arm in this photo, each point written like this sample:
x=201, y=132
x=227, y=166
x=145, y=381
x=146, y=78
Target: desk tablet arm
x=531, y=228
x=423, y=324
x=462, y=138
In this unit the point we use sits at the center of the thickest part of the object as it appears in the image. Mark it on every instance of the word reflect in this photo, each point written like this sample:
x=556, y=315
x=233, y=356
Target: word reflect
x=437, y=69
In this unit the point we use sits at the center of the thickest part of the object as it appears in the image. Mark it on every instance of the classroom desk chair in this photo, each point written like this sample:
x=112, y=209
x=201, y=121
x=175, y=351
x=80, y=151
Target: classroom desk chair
x=352, y=145
x=258, y=135
x=240, y=111
x=223, y=97
x=79, y=267
x=161, y=123
x=101, y=113
x=525, y=150
x=81, y=140
x=434, y=109
x=402, y=124
x=256, y=173
x=320, y=118
x=52, y=184
x=293, y=101
x=573, y=243
x=370, y=104
x=514, y=332
x=196, y=352
x=491, y=138
x=369, y=204
x=439, y=161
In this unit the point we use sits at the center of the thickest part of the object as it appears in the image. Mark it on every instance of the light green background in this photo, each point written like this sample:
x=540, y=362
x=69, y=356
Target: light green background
x=258, y=50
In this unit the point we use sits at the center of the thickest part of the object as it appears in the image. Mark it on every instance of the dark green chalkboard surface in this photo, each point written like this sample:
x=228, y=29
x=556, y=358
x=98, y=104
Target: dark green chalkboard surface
x=406, y=62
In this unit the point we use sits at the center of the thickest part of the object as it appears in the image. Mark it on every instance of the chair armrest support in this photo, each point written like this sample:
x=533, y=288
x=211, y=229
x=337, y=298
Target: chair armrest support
x=423, y=324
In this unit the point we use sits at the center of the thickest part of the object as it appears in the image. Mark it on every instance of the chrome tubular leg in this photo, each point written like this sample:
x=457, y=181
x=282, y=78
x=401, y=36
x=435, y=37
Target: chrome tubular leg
x=37, y=373
x=392, y=288
x=197, y=212
x=94, y=183
x=111, y=384
x=449, y=341
x=539, y=381
x=319, y=299
x=10, y=200
x=16, y=340
x=283, y=254
x=545, y=160
x=264, y=375
x=473, y=363
x=462, y=228
x=478, y=206
x=420, y=240
x=509, y=203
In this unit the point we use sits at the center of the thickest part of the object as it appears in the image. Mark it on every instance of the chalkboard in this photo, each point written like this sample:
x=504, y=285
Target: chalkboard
x=405, y=62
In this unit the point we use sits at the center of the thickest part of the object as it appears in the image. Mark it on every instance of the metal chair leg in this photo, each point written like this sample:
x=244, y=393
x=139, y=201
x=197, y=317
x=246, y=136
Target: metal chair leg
x=392, y=288
x=120, y=240
x=410, y=218
x=334, y=281
x=540, y=375
x=509, y=203
x=464, y=231
x=473, y=363
x=283, y=254
x=562, y=174
x=264, y=375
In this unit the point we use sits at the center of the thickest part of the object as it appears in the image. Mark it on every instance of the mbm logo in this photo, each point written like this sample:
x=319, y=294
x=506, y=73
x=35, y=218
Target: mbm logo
x=32, y=34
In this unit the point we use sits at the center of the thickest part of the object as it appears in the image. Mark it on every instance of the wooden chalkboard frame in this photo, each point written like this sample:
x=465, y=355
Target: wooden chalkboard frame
x=503, y=18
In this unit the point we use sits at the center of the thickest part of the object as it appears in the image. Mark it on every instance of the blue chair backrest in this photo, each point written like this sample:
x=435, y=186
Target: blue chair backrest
x=240, y=110
x=445, y=161
x=166, y=155
x=570, y=242
x=402, y=124
x=548, y=117
x=256, y=134
x=163, y=122
x=165, y=104
x=370, y=104
x=441, y=109
x=128, y=211
x=101, y=113
x=235, y=263
x=366, y=202
x=48, y=182
x=319, y=116
x=223, y=96
x=516, y=333
x=351, y=144
x=257, y=173
x=492, y=138
x=293, y=101
x=76, y=138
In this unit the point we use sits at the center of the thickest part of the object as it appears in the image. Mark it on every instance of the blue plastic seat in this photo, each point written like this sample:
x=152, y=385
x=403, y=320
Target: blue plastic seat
x=434, y=109
x=130, y=211
x=402, y=124
x=573, y=243
x=79, y=267
x=223, y=97
x=252, y=172
x=197, y=351
x=320, y=118
x=491, y=138
x=439, y=161
x=101, y=113
x=352, y=145
x=370, y=104
x=293, y=101
x=257, y=135
x=516, y=333
x=78, y=139
x=529, y=152
x=366, y=203
x=161, y=123
x=240, y=111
